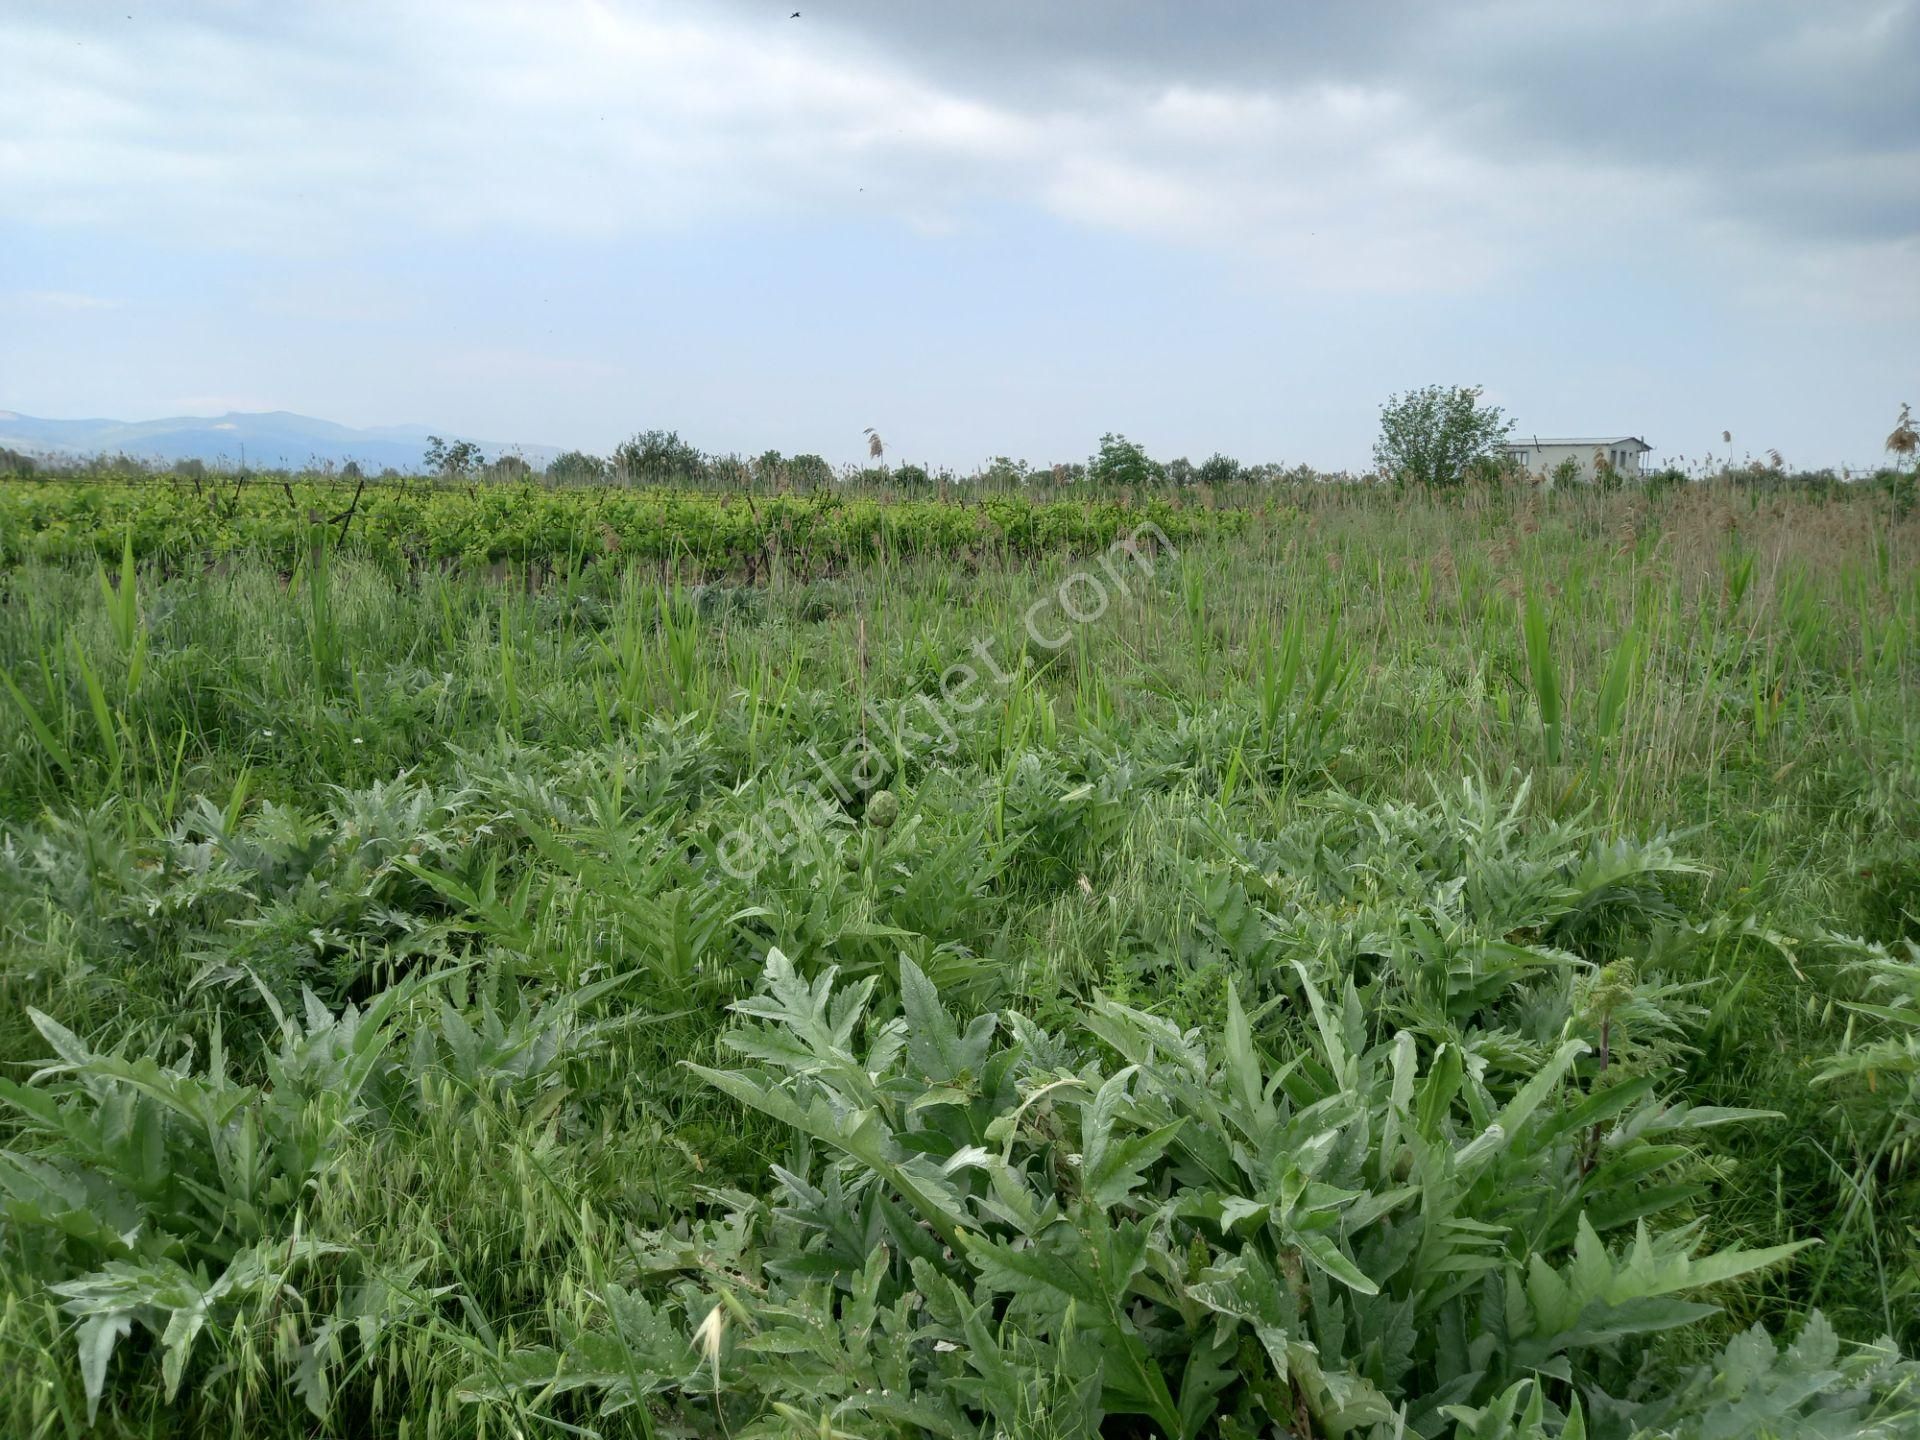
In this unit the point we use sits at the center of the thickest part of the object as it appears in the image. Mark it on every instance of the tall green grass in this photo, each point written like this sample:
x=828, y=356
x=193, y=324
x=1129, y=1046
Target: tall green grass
x=356, y=920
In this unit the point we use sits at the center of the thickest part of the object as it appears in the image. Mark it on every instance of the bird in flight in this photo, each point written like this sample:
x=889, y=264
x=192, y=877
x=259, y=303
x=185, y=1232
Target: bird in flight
x=794, y=16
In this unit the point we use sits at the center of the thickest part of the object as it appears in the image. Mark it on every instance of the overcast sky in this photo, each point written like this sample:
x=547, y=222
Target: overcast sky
x=982, y=226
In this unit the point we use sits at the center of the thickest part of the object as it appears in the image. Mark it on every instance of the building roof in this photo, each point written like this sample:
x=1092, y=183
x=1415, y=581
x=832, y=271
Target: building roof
x=1541, y=442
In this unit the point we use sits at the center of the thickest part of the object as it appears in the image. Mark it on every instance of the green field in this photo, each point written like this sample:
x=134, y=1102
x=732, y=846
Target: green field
x=1344, y=964
x=547, y=531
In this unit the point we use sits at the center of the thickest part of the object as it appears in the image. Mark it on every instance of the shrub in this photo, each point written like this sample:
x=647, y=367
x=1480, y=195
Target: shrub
x=1218, y=469
x=1119, y=462
x=658, y=457
x=576, y=467
x=1433, y=436
x=809, y=472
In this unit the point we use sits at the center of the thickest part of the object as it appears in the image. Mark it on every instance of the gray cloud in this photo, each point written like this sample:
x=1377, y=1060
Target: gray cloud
x=1794, y=118
x=1230, y=124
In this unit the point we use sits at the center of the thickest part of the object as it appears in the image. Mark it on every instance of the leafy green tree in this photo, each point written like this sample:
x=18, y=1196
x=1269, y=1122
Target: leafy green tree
x=659, y=457
x=809, y=472
x=769, y=468
x=1004, y=473
x=729, y=472
x=452, y=457
x=1432, y=436
x=576, y=467
x=1218, y=469
x=1121, y=462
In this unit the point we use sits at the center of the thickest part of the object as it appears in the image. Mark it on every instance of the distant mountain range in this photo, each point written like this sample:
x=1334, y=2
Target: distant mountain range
x=270, y=439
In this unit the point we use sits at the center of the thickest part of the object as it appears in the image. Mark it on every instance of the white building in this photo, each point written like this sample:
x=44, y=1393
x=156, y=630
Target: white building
x=1540, y=457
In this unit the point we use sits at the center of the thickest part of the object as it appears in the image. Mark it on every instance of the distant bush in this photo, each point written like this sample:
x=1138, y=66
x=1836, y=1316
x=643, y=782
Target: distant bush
x=1003, y=472
x=809, y=472
x=452, y=457
x=1218, y=469
x=773, y=471
x=729, y=472
x=1434, y=435
x=1493, y=469
x=576, y=467
x=658, y=457
x=1121, y=462
x=769, y=468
